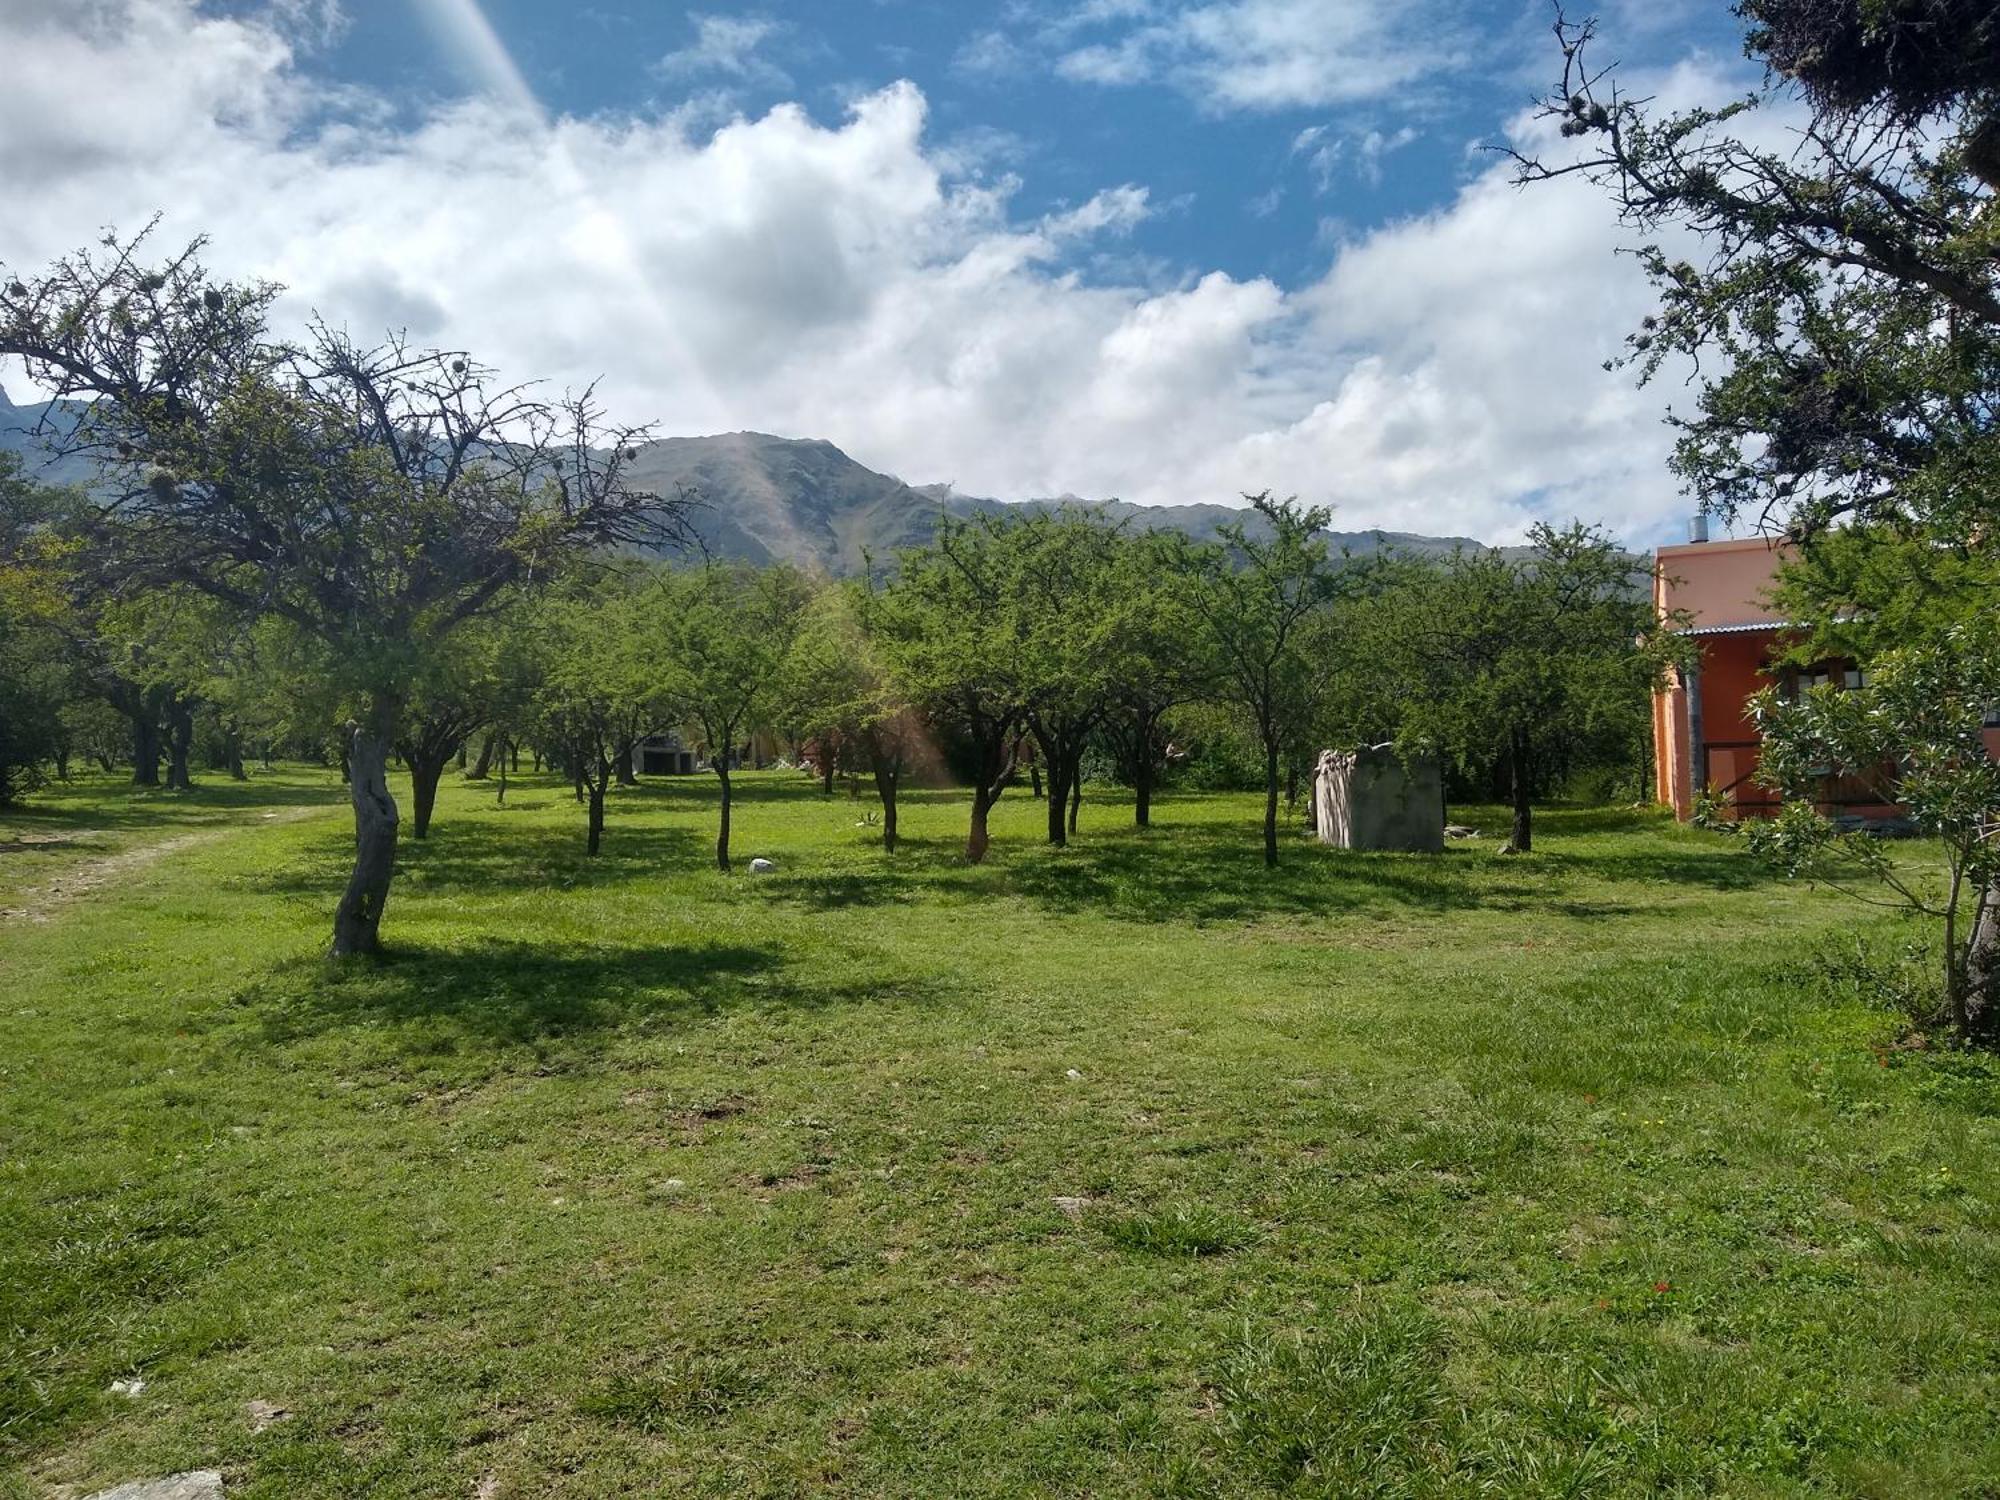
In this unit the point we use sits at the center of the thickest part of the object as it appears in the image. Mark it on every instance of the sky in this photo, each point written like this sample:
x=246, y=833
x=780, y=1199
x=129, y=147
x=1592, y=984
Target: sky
x=1161, y=250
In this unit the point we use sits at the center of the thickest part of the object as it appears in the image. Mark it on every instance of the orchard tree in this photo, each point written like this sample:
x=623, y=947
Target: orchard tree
x=725, y=633
x=948, y=629
x=1159, y=659
x=594, y=682
x=1064, y=573
x=378, y=497
x=1512, y=665
x=1255, y=593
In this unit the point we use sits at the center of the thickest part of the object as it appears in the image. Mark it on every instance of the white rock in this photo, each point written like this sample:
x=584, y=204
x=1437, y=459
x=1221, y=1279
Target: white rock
x=263, y=1414
x=130, y=1387
x=1072, y=1207
x=762, y=867
x=195, y=1484
x=1072, y=1073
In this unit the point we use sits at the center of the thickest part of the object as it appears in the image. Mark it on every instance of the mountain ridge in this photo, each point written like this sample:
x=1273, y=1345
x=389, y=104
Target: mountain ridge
x=763, y=498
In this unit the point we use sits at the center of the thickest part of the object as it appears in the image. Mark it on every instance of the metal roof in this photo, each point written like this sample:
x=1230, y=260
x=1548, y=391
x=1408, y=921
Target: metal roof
x=1740, y=629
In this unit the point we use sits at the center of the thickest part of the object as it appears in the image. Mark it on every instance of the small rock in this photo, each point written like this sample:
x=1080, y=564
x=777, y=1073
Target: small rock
x=1460, y=831
x=1073, y=1074
x=1072, y=1207
x=128, y=1388
x=762, y=867
x=264, y=1414
x=195, y=1484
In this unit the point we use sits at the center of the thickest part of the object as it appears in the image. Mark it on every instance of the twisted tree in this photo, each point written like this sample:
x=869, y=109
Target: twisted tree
x=376, y=496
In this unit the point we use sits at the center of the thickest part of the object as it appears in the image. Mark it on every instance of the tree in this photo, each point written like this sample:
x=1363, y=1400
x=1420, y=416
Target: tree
x=841, y=695
x=593, y=681
x=1159, y=659
x=949, y=633
x=1847, y=309
x=726, y=633
x=1915, y=732
x=1254, y=594
x=1515, y=665
x=1063, y=571
x=376, y=497
x=34, y=681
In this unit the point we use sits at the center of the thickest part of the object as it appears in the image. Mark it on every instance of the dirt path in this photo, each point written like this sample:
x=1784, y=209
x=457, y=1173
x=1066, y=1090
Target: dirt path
x=39, y=903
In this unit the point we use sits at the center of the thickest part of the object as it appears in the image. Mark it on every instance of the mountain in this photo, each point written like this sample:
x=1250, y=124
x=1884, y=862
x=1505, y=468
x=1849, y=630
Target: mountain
x=22, y=432
x=804, y=501
x=798, y=500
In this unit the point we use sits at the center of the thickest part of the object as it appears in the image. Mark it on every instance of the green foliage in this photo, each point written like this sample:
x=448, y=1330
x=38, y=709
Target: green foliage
x=1914, y=732
x=1529, y=666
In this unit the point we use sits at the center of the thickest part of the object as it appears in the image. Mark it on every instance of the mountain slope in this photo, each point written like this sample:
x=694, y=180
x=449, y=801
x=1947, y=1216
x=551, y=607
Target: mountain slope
x=798, y=500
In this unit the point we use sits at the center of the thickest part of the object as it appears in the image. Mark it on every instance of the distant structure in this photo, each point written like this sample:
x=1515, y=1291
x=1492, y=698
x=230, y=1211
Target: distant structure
x=1704, y=740
x=1371, y=798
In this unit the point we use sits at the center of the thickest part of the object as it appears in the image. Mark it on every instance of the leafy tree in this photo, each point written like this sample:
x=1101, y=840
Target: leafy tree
x=1062, y=589
x=1255, y=595
x=1915, y=732
x=949, y=632
x=1512, y=665
x=726, y=633
x=594, y=682
x=378, y=498
x=1846, y=308
x=843, y=694
x=1160, y=659
x=34, y=680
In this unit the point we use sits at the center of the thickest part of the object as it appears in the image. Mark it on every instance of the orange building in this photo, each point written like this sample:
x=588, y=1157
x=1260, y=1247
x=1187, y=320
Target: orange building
x=1703, y=737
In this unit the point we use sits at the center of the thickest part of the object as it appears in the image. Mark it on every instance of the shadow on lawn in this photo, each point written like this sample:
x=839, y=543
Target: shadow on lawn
x=1213, y=872
x=487, y=853
x=514, y=992
x=116, y=805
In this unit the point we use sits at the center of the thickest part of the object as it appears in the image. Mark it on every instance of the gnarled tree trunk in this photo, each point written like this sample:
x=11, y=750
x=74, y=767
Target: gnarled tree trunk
x=595, y=836
x=357, y=921
x=483, y=766
x=425, y=773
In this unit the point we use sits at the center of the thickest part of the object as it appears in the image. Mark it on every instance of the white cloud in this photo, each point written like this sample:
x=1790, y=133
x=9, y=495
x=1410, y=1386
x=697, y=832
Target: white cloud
x=1273, y=54
x=851, y=281
x=727, y=46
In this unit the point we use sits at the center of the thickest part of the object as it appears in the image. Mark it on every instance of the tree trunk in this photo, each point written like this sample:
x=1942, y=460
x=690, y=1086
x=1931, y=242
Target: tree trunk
x=1034, y=778
x=623, y=769
x=145, y=749
x=461, y=755
x=1518, y=770
x=1075, y=791
x=357, y=921
x=425, y=772
x=976, y=840
x=1982, y=964
x=596, y=834
x=1058, y=801
x=825, y=772
x=885, y=788
x=483, y=766
x=722, y=832
x=1271, y=804
x=180, y=739
x=233, y=754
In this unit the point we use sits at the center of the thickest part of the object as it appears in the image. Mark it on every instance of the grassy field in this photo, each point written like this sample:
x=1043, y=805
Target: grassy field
x=1130, y=1169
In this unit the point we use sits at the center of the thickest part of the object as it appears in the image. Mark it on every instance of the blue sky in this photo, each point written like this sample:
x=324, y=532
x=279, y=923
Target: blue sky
x=1166, y=249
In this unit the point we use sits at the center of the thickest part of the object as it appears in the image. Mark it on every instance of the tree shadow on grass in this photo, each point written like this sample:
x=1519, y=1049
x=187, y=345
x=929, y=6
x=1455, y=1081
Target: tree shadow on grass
x=508, y=993
x=111, y=805
x=492, y=854
x=1210, y=872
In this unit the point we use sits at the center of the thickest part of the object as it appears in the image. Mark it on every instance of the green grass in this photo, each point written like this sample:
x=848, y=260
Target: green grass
x=1397, y=1175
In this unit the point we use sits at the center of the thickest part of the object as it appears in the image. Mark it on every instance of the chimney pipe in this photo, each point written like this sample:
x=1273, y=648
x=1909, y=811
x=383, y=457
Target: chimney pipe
x=1698, y=529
